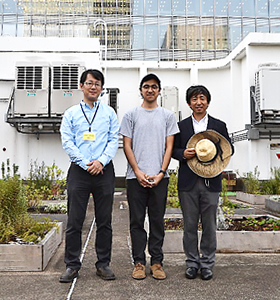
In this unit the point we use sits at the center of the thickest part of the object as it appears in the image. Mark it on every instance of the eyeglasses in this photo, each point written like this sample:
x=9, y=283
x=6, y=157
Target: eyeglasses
x=91, y=84
x=153, y=87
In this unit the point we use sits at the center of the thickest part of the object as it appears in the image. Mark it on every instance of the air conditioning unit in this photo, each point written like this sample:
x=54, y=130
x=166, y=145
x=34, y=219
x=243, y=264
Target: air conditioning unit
x=170, y=99
x=267, y=88
x=65, y=87
x=32, y=89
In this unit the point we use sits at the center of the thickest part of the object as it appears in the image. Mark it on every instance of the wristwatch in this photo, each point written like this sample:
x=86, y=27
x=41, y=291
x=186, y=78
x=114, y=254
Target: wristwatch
x=163, y=172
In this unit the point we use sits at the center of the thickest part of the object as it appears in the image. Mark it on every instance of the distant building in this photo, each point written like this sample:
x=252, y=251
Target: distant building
x=145, y=29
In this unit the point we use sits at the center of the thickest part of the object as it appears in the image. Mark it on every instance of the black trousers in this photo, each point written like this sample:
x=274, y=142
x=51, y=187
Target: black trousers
x=140, y=198
x=79, y=186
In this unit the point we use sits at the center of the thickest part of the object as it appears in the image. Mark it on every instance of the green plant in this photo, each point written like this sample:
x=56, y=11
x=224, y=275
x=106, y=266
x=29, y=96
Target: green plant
x=16, y=223
x=251, y=182
x=59, y=208
x=6, y=170
x=272, y=186
x=172, y=186
x=44, y=183
x=172, y=193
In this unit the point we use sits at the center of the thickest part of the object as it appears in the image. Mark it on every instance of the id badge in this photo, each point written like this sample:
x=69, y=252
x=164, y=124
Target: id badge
x=89, y=136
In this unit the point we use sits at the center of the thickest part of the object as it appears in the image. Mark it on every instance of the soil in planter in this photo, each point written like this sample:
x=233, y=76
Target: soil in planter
x=261, y=223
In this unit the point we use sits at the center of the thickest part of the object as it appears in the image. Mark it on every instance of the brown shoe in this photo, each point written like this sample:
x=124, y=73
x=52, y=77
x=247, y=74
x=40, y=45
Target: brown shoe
x=157, y=272
x=139, y=272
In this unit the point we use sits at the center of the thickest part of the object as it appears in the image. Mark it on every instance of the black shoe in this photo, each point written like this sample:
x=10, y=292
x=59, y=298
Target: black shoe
x=206, y=274
x=105, y=273
x=191, y=273
x=69, y=275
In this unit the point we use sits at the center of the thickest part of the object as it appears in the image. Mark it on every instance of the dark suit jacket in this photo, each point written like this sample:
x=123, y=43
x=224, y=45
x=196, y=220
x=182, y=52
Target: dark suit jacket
x=186, y=177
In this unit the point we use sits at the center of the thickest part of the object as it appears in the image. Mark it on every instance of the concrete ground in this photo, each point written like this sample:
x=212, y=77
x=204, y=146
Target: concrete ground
x=236, y=276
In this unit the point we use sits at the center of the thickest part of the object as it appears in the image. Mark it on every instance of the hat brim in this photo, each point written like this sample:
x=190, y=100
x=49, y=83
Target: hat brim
x=215, y=167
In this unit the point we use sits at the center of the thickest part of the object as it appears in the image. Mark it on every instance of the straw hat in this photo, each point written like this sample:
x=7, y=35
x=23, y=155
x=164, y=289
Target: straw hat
x=213, y=152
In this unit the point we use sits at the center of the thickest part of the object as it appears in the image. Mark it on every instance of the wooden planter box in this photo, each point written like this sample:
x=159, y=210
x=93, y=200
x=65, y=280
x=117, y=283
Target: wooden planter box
x=230, y=241
x=30, y=257
x=53, y=217
x=272, y=205
x=251, y=198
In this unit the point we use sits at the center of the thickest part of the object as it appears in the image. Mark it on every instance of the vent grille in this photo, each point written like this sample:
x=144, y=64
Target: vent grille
x=29, y=78
x=257, y=90
x=65, y=77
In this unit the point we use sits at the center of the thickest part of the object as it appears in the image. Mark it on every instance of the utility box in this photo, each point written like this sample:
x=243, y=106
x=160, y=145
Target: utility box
x=170, y=99
x=65, y=87
x=267, y=88
x=32, y=89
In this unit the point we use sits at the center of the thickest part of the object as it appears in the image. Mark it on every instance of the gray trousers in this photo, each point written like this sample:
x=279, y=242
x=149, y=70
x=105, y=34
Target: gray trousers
x=199, y=204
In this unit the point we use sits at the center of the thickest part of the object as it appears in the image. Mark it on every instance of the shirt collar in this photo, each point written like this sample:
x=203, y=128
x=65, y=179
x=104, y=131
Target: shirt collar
x=84, y=104
x=203, y=120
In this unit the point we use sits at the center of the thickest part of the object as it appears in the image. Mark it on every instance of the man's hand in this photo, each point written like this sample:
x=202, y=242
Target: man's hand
x=156, y=179
x=143, y=179
x=189, y=153
x=95, y=167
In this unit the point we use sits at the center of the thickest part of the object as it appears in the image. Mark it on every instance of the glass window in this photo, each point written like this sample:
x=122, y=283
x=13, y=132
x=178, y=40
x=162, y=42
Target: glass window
x=235, y=33
x=138, y=37
x=275, y=29
x=234, y=7
x=262, y=25
x=165, y=36
x=165, y=7
x=151, y=7
x=207, y=7
x=151, y=40
x=275, y=8
x=10, y=6
x=221, y=8
x=221, y=33
x=179, y=7
x=138, y=7
x=247, y=30
x=262, y=8
x=193, y=8
x=180, y=36
x=248, y=8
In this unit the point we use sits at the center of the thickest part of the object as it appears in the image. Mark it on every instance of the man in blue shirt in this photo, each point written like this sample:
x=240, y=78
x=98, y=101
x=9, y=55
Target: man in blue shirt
x=89, y=134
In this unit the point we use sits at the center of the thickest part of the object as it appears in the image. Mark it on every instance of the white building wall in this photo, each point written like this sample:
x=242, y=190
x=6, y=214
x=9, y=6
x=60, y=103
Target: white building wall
x=228, y=80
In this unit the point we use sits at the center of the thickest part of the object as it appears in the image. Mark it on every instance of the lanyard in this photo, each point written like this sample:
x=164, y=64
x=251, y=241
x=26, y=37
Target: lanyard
x=89, y=129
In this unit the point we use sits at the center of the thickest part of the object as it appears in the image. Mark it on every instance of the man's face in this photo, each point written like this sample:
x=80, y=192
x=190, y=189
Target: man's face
x=150, y=90
x=199, y=104
x=91, y=88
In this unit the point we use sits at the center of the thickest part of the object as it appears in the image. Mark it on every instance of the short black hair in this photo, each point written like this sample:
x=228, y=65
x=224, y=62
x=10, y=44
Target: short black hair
x=95, y=73
x=195, y=90
x=150, y=77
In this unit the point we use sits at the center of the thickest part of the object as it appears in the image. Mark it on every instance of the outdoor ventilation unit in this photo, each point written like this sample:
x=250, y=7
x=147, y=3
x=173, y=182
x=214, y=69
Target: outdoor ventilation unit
x=31, y=89
x=170, y=99
x=65, y=87
x=267, y=88
x=113, y=98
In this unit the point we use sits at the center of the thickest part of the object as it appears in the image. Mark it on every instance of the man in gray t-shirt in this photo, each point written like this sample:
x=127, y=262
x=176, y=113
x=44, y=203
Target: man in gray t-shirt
x=148, y=133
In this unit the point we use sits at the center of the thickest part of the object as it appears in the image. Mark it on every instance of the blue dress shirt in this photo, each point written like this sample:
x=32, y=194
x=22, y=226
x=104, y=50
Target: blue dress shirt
x=105, y=126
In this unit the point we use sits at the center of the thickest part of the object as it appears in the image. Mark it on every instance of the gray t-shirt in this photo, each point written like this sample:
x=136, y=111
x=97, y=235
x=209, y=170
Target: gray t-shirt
x=148, y=130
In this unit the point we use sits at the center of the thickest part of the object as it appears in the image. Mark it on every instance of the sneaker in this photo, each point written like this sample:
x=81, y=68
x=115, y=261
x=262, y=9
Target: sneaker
x=139, y=272
x=157, y=272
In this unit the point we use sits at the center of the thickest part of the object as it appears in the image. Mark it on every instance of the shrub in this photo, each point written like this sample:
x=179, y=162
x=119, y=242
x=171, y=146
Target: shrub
x=252, y=183
x=44, y=183
x=16, y=224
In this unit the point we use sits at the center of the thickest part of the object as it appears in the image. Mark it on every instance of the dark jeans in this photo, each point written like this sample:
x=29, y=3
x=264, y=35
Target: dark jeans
x=140, y=198
x=79, y=186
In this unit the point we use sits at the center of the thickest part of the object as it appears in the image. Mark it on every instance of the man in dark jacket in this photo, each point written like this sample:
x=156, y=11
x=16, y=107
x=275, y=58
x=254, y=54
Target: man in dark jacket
x=199, y=182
